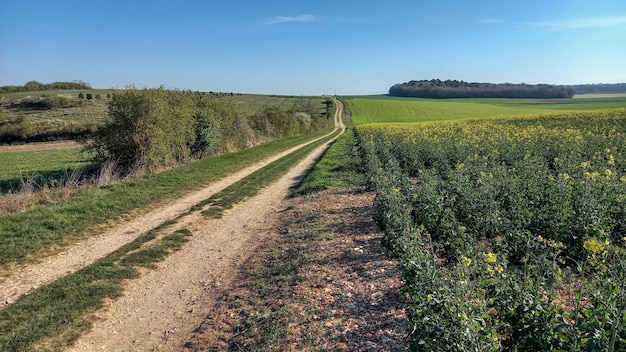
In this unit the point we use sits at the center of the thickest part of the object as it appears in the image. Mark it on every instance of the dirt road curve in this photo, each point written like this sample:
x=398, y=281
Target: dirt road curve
x=159, y=309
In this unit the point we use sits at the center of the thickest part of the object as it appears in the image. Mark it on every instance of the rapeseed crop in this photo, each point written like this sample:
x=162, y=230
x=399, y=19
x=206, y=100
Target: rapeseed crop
x=511, y=230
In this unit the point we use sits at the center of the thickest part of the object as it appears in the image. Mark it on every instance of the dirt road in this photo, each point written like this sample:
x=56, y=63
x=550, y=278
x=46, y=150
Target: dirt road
x=159, y=308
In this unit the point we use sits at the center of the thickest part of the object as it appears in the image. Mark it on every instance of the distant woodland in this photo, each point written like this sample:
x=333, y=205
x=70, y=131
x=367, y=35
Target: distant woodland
x=600, y=88
x=439, y=89
x=37, y=86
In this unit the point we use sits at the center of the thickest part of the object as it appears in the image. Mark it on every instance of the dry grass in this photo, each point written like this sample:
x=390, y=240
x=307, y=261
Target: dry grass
x=32, y=192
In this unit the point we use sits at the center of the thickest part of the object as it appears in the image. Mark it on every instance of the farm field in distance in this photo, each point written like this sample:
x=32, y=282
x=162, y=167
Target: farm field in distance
x=383, y=108
x=509, y=217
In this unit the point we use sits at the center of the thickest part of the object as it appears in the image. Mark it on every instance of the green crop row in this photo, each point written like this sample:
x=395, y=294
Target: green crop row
x=511, y=231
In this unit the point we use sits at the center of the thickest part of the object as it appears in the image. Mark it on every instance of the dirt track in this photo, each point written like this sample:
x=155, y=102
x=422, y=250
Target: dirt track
x=160, y=308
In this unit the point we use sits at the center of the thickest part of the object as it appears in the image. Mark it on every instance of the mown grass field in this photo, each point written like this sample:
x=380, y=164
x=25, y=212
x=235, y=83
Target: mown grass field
x=385, y=109
x=509, y=217
x=40, y=164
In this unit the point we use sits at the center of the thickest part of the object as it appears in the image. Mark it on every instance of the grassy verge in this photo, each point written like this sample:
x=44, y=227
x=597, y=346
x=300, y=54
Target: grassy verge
x=272, y=279
x=32, y=232
x=336, y=168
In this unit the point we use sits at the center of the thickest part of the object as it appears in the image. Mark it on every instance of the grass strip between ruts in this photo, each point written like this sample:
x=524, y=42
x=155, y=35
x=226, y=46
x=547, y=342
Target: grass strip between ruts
x=58, y=313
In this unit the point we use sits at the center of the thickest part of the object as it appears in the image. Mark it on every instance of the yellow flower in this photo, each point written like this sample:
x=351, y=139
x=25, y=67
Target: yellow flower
x=595, y=247
x=566, y=176
x=490, y=257
x=499, y=268
x=584, y=164
x=466, y=261
x=611, y=160
x=609, y=172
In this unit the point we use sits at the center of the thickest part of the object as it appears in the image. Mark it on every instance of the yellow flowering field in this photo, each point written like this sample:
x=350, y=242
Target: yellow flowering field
x=512, y=231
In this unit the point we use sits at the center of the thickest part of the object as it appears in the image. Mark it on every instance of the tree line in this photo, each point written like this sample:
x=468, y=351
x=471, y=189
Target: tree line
x=36, y=86
x=600, y=88
x=439, y=89
x=153, y=128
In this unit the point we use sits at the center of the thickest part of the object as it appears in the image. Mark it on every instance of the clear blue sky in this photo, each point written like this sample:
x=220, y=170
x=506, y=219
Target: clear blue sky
x=310, y=47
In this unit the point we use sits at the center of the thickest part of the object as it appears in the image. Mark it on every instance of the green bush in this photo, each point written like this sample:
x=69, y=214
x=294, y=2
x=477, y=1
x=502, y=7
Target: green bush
x=147, y=129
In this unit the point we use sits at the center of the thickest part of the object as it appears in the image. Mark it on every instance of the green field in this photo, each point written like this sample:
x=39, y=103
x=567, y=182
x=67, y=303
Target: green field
x=384, y=109
x=46, y=164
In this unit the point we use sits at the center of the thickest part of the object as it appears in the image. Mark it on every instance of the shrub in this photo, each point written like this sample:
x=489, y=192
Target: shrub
x=147, y=129
x=207, y=135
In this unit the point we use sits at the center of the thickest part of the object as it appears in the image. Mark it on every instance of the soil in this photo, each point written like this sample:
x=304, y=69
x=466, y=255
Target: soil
x=184, y=303
x=347, y=297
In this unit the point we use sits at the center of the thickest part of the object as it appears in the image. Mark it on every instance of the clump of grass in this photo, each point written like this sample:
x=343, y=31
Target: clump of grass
x=157, y=252
x=34, y=192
